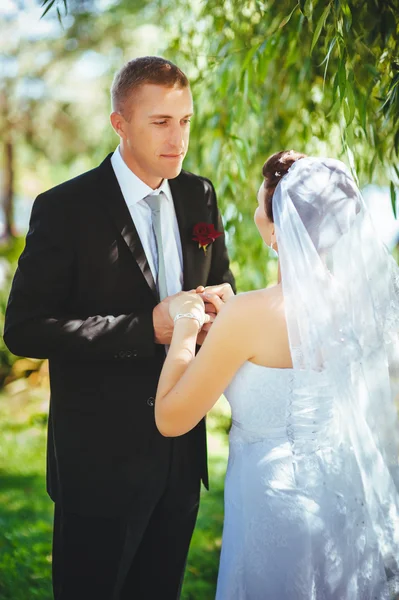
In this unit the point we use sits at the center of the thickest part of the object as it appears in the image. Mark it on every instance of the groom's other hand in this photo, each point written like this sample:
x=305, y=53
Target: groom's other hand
x=163, y=324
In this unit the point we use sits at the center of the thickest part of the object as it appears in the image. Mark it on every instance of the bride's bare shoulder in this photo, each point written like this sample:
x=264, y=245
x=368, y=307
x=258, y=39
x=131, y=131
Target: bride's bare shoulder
x=267, y=301
x=263, y=307
x=265, y=320
x=257, y=316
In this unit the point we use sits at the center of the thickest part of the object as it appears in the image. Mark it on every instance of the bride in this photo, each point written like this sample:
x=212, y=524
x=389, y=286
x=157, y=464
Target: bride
x=311, y=493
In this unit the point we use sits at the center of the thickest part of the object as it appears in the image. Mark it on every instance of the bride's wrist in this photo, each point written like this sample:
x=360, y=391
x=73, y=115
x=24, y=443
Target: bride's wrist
x=189, y=317
x=185, y=334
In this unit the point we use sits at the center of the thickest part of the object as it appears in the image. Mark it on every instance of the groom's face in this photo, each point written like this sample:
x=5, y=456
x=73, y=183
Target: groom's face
x=155, y=132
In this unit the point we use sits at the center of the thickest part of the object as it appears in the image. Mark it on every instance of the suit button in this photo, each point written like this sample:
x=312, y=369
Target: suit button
x=151, y=401
x=116, y=355
x=128, y=354
x=135, y=353
x=122, y=354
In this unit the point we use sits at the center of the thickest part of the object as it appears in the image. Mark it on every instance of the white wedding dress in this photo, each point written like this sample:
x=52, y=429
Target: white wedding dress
x=281, y=542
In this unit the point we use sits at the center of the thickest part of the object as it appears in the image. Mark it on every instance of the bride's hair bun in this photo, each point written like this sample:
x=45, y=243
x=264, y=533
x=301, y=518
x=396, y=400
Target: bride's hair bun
x=274, y=169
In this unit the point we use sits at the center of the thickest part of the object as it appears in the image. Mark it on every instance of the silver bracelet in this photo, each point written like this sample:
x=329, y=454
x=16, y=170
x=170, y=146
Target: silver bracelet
x=189, y=315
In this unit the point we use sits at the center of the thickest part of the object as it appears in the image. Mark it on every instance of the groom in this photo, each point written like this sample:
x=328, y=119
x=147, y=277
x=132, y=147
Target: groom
x=104, y=253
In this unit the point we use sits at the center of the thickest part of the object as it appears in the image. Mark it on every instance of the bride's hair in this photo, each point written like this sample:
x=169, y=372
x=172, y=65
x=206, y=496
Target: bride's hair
x=274, y=169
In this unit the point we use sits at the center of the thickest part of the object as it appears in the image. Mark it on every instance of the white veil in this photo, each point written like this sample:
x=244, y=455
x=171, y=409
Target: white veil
x=341, y=292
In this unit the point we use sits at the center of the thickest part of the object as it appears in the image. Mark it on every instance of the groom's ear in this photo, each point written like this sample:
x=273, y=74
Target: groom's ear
x=118, y=124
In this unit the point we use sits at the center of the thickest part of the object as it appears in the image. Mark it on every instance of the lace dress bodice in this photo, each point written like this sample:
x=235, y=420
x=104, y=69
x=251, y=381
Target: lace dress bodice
x=277, y=405
x=283, y=537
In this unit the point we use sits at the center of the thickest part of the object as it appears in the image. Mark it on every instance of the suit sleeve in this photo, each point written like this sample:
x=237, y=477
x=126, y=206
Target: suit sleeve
x=38, y=322
x=220, y=268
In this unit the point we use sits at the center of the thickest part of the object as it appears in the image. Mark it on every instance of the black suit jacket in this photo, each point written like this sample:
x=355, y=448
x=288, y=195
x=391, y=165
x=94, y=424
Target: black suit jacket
x=83, y=296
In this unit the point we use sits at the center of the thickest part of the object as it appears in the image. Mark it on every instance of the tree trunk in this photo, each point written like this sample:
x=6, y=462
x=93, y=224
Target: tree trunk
x=8, y=188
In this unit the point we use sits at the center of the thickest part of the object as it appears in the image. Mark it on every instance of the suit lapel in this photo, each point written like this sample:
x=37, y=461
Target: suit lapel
x=114, y=202
x=190, y=209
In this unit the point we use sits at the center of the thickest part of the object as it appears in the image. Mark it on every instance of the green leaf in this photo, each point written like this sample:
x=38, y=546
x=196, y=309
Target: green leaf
x=342, y=78
x=349, y=135
x=396, y=143
x=363, y=114
x=306, y=8
x=241, y=167
x=286, y=19
x=248, y=57
x=327, y=58
x=320, y=24
x=347, y=13
x=346, y=111
x=372, y=165
x=50, y=5
x=245, y=86
x=372, y=69
x=335, y=85
x=334, y=109
x=59, y=16
x=393, y=197
x=350, y=102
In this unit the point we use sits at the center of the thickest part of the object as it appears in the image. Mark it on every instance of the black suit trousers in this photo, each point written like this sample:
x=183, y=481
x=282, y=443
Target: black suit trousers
x=141, y=556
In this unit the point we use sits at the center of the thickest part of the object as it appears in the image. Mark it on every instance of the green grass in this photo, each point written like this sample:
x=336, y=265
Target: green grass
x=26, y=512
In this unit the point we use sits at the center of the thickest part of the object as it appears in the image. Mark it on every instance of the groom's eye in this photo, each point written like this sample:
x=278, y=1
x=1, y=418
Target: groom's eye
x=159, y=122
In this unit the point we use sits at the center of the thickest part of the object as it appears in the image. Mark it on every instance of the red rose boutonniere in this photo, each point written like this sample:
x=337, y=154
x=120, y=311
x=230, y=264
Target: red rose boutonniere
x=205, y=234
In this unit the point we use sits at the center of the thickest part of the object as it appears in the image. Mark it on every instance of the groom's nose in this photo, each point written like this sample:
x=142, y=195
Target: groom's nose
x=176, y=137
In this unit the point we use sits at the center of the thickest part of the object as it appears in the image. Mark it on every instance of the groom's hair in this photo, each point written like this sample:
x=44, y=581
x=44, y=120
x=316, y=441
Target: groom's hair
x=139, y=71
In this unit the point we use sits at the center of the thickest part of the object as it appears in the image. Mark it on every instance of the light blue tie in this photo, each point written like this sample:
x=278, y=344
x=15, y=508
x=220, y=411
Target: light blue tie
x=154, y=202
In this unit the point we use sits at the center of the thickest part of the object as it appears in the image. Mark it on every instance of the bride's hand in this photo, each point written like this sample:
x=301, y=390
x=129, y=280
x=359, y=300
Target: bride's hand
x=216, y=295
x=188, y=302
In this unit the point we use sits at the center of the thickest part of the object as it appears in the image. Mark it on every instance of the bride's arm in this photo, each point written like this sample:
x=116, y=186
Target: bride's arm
x=190, y=385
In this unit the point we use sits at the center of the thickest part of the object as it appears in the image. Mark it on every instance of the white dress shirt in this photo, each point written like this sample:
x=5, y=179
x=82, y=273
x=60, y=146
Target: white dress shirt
x=134, y=191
